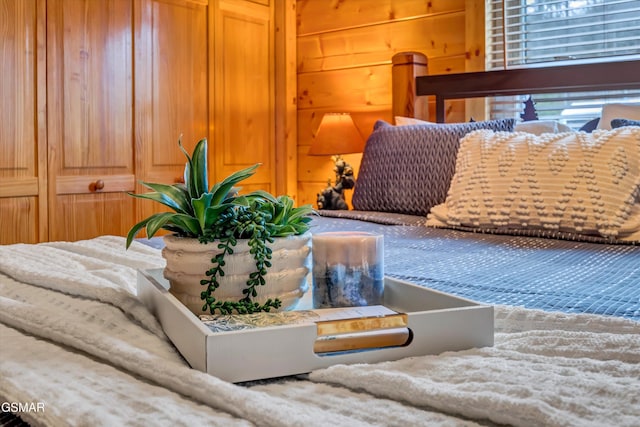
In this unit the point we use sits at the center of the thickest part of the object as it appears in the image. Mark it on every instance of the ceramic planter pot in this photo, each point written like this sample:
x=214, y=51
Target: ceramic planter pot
x=188, y=260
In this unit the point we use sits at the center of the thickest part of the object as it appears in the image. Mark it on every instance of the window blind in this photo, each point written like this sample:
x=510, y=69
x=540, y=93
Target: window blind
x=534, y=33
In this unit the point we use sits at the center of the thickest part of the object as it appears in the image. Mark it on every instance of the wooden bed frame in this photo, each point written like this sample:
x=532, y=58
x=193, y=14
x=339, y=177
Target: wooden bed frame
x=411, y=83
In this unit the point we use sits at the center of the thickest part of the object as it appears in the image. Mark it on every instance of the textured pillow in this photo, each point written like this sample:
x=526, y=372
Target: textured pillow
x=587, y=184
x=617, y=111
x=538, y=127
x=618, y=123
x=408, y=169
x=407, y=121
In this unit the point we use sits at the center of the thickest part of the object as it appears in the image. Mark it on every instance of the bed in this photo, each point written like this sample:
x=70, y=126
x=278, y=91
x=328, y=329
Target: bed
x=412, y=175
x=79, y=348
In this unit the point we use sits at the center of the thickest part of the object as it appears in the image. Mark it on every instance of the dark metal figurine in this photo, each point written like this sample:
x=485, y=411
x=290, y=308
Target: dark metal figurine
x=332, y=197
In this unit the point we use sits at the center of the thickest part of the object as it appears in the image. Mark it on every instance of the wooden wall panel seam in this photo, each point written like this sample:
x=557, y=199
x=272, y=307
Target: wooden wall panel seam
x=382, y=22
x=441, y=59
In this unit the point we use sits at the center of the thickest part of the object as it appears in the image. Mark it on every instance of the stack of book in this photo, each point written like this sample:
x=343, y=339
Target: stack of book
x=338, y=329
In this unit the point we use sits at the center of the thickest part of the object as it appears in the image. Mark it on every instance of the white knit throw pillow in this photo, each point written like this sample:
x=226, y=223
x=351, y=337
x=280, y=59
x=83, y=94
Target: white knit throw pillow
x=570, y=182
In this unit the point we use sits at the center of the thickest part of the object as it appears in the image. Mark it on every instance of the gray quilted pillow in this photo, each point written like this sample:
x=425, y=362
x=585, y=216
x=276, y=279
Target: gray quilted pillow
x=408, y=169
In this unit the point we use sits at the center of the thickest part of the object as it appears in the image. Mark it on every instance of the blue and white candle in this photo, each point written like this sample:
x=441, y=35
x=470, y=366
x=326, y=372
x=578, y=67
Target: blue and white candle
x=348, y=269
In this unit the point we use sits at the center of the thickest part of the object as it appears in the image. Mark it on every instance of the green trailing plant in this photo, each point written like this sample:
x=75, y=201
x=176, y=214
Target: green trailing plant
x=219, y=214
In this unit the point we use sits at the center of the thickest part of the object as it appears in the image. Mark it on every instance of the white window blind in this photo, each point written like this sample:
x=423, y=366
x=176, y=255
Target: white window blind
x=534, y=33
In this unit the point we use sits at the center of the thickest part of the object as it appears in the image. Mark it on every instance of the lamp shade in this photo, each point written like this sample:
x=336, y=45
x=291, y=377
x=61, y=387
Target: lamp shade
x=337, y=134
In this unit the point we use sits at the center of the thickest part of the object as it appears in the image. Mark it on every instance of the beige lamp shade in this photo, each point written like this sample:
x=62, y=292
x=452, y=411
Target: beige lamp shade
x=337, y=134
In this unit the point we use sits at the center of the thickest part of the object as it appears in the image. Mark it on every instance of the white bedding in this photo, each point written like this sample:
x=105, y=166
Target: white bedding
x=75, y=338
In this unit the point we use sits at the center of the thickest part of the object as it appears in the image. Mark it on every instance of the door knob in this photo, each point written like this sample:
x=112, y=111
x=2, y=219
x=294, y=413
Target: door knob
x=95, y=186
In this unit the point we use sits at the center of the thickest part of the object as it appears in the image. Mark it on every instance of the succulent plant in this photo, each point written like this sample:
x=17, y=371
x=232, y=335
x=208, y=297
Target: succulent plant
x=221, y=215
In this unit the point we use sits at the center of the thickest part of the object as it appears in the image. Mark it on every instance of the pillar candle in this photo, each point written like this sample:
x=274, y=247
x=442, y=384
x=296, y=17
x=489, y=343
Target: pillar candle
x=348, y=269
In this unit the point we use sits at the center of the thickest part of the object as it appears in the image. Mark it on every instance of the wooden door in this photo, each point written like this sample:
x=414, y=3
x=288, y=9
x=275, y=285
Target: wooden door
x=171, y=95
x=90, y=117
x=23, y=201
x=244, y=94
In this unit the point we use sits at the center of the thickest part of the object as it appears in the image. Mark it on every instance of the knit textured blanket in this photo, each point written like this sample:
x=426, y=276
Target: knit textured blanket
x=75, y=339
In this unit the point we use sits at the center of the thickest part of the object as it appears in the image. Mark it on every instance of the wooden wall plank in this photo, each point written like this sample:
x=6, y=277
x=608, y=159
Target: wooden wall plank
x=323, y=16
x=345, y=90
x=435, y=36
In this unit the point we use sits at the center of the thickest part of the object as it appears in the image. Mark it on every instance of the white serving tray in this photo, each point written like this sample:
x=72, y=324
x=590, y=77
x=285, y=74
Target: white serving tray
x=437, y=321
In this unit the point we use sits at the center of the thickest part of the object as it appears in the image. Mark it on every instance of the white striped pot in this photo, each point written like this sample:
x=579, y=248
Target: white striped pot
x=188, y=260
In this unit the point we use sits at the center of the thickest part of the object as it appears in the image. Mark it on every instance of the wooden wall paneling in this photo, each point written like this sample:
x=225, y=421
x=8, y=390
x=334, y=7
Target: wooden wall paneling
x=22, y=135
x=447, y=64
x=90, y=114
x=323, y=16
x=347, y=89
x=171, y=90
x=244, y=87
x=434, y=35
x=475, y=35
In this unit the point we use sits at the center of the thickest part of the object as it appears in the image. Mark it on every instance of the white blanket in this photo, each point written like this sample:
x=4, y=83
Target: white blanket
x=75, y=339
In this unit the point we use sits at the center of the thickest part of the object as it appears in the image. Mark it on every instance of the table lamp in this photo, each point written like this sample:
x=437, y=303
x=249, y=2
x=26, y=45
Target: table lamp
x=337, y=135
